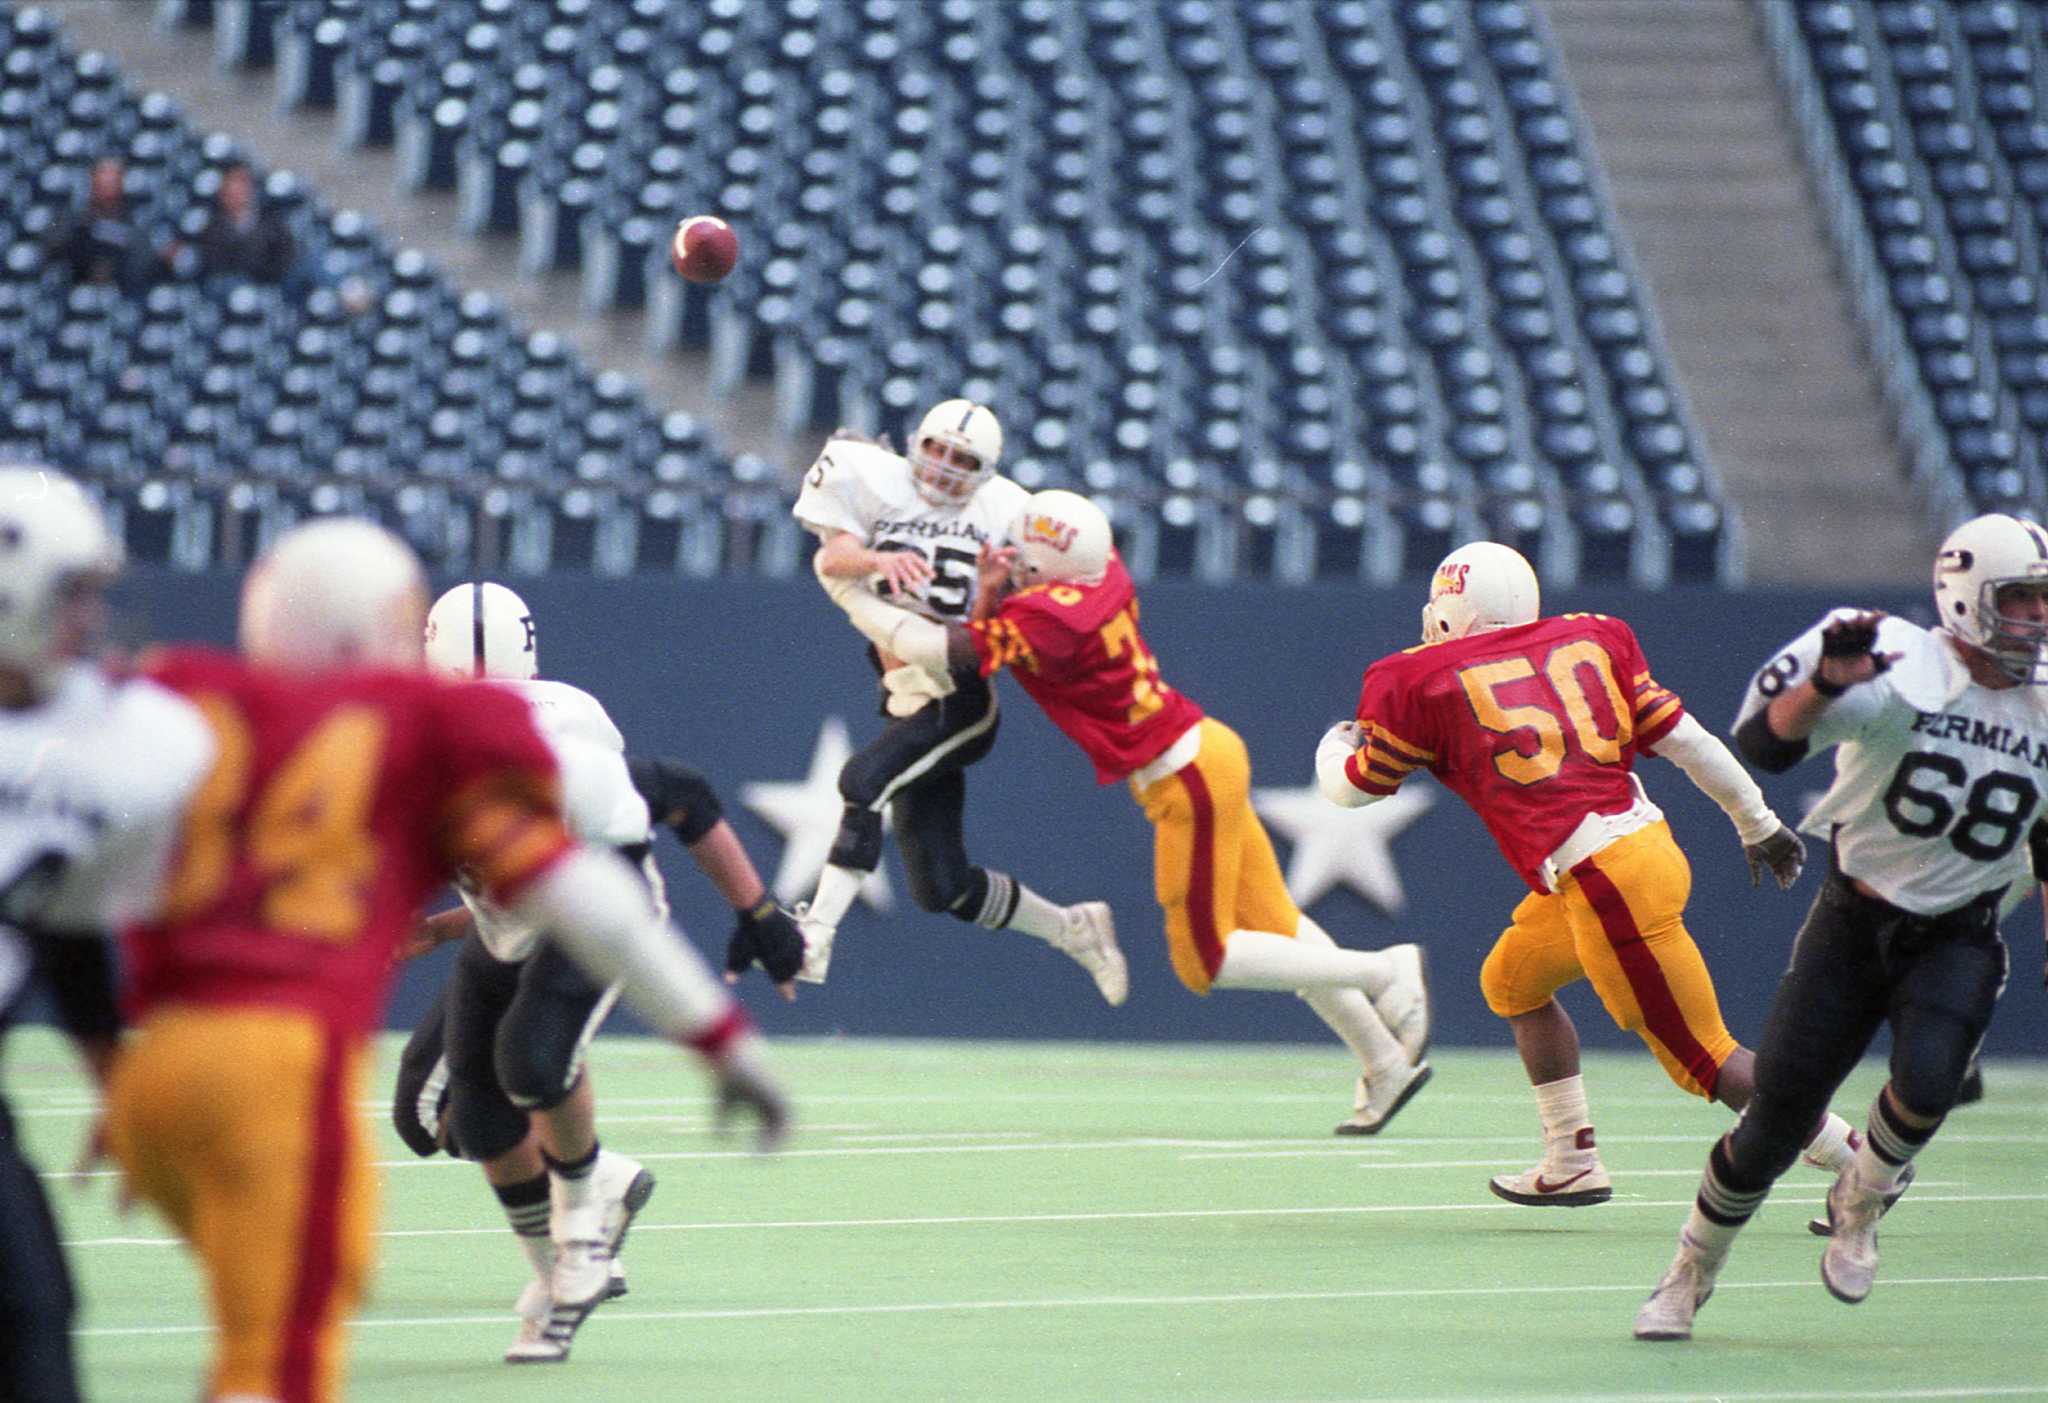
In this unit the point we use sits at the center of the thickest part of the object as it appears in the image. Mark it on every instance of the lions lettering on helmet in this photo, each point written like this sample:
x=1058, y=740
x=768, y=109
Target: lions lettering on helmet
x=335, y=593
x=52, y=539
x=1480, y=586
x=1060, y=535
x=482, y=629
x=955, y=450
x=1979, y=558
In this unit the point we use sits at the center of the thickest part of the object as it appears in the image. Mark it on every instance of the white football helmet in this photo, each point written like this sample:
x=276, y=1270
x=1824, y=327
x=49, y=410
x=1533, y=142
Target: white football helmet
x=53, y=541
x=337, y=592
x=1976, y=560
x=482, y=630
x=1060, y=535
x=1477, y=587
x=954, y=450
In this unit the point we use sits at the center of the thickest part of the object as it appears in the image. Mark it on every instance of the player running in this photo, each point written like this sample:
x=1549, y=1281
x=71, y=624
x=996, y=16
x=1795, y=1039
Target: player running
x=912, y=528
x=346, y=785
x=501, y=1053
x=1057, y=607
x=1940, y=737
x=1537, y=724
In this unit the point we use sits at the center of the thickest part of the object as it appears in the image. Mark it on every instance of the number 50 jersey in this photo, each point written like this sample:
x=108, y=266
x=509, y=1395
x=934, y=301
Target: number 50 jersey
x=1535, y=727
x=1937, y=780
x=865, y=489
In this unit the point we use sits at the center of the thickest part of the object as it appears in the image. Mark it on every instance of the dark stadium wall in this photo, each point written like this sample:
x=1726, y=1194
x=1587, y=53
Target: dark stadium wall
x=741, y=678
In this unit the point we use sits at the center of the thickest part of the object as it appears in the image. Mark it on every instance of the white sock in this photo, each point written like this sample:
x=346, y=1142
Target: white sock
x=1708, y=1238
x=1832, y=1146
x=837, y=887
x=1351, y=1017
x=1259, y=959
x=1037, y=916
x=1378, y=976
x=1562, y=1104
x=1873, y=1171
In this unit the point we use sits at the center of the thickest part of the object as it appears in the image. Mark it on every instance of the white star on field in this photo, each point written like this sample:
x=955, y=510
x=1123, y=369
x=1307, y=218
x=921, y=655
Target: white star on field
x=1337, y=846
x=806, y=813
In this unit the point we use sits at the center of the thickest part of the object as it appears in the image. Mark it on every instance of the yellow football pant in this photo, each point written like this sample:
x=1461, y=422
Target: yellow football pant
x=1213, y=865
x=1617, y=919
x=240, y=1125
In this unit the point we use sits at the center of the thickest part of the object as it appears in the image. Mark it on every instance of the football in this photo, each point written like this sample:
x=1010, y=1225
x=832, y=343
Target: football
x=704, y=249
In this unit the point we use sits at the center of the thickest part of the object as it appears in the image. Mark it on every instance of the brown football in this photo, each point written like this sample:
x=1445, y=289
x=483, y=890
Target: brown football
x=704, y=249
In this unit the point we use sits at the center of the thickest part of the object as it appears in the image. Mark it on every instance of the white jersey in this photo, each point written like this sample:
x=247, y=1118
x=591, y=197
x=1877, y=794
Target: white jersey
x=865, y=489
x=93, y=782
x=598, y=798
x=1937, y=780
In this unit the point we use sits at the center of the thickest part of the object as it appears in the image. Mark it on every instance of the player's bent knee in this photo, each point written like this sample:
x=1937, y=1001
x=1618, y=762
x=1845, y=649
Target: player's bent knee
x=483, y=1121
x=1499, y=990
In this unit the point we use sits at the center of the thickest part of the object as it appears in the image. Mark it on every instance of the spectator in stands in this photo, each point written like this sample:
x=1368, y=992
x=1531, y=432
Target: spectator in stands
x=243, y=238
x=101, y=243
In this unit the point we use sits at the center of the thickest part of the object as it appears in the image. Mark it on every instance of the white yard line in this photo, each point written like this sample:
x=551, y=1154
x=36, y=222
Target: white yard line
x=613, y=1315
x=642, y=1227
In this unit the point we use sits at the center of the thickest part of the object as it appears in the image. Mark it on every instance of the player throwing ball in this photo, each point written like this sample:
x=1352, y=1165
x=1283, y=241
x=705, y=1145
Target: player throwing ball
x=1056, y=606
x=1940, y=738
x=908, y=529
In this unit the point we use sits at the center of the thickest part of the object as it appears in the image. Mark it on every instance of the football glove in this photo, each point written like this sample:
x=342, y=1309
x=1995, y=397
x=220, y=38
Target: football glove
x=1781, y=852
x=1854, y=637
x=766, y=934
x=746, y=1085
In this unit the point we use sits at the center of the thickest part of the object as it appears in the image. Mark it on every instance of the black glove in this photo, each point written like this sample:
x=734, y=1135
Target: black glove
x=746, y=1084
x=766, y=934
x=1782, y=852
x=1854, y=637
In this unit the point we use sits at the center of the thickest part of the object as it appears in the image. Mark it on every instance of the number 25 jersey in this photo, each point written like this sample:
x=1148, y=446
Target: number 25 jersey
x=867, y=490
x=336, y=805
x=1535, y=727
x=1937, y=780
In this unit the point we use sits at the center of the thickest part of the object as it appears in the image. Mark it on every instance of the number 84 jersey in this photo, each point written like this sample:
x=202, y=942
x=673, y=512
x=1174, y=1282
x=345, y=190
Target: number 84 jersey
x=863, y=488
x=1937, y=780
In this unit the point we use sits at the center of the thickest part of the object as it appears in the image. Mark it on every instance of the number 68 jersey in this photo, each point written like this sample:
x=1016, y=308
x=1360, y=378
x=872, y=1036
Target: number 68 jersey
x=863, y=488
x=1937, y=780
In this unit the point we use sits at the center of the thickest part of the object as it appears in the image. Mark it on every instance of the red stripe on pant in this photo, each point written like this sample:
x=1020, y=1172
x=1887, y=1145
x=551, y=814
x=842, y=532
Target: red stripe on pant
x=319, y=1228
x=1661, y=1014
x=1202, y=873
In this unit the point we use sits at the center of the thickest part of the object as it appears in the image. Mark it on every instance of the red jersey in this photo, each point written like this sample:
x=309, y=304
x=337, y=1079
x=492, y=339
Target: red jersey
x=1076, y=649
x=1535, y=727
x=335, y=806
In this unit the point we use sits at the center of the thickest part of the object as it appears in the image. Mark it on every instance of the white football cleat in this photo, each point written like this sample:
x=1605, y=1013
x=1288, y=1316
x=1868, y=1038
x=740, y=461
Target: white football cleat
x=1378, y=1100
x=1668, y=1314
x=1849, y=1266
x=532, y=1345
x=623, y=1187
x=817, y=945
x=1090, y=937
x=1404, y=1004
x=1570, y=1176
x=1821, y=1227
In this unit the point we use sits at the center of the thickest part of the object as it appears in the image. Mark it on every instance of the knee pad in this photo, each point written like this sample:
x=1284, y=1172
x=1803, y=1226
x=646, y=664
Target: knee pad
x=534, y=1075
x=482, y=1121
x=859, y=844
x=1495, y=986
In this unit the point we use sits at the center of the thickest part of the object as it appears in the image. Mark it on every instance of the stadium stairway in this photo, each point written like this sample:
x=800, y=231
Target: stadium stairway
x=1706, y=174
x=180, y=62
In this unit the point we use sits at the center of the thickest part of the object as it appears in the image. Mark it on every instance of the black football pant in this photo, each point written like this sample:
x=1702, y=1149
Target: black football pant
x=36, y=1300
x=1859, y=963
x=503, y=1040
x=915, y=770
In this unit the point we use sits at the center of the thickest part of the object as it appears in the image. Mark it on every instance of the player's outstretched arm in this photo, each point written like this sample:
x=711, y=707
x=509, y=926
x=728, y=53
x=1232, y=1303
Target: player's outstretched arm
x=1767, y=844
x=596, y=907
